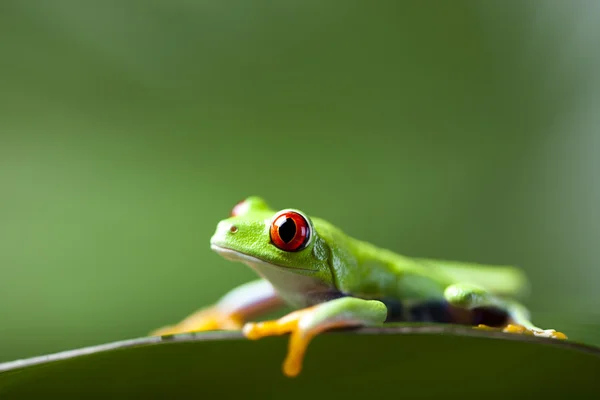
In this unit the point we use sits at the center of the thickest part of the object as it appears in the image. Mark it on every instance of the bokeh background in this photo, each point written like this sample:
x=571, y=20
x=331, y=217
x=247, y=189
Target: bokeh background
x=462, y=130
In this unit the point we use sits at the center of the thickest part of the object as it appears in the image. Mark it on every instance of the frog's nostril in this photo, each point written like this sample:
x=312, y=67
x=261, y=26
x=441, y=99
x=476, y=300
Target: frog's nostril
x=233, y=229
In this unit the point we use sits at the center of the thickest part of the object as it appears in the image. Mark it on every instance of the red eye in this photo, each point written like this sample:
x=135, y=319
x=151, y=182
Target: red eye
x=240, y=208
x=290, y=231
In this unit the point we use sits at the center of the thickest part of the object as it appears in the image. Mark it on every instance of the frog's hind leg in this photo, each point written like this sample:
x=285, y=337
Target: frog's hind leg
x=488, y=311
x=231, y=311
x=520, y=322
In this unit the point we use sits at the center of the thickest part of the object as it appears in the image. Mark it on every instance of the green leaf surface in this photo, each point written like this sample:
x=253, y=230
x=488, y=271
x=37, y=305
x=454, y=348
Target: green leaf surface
x=411, y=361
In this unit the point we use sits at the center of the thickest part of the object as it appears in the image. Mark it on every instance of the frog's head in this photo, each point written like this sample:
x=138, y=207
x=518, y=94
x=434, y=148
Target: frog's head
x=269, y=240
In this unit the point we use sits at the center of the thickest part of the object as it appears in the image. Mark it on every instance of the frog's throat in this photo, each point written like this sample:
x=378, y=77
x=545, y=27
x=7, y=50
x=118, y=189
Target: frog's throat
x=298, y=287
x=253, y=262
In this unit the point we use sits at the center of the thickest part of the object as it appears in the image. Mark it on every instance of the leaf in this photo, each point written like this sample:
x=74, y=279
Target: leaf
x=404, y=361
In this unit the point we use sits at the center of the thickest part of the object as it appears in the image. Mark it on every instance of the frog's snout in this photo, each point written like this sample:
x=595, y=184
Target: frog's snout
x=225, y=229
x=223, y=233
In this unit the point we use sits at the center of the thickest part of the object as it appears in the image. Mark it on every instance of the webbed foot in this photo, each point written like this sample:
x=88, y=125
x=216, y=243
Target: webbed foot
x=520, y=329
x=207, y=319
x=299, y=339
x=303, y=325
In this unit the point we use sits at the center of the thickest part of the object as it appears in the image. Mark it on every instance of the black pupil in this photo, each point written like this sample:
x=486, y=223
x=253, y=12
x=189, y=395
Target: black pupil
x=287, y=230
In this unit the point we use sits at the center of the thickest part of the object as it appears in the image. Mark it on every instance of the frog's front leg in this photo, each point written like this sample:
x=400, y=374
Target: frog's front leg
x=305, y=324
x=231, y=311
x=471, y=298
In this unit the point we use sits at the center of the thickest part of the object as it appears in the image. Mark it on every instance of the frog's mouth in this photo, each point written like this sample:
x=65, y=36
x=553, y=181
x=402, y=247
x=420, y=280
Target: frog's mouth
x=253, y=262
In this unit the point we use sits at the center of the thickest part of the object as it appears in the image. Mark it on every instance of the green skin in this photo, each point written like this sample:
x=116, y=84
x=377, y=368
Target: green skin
x=369, y=278
x=334, y=261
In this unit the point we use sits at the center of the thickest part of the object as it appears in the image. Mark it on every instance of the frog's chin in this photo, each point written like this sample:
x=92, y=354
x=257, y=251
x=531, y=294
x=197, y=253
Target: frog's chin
x=299, y=287
x=251, y=261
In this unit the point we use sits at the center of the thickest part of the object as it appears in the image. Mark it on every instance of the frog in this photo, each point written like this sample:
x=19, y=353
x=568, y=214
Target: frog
x=333, y=281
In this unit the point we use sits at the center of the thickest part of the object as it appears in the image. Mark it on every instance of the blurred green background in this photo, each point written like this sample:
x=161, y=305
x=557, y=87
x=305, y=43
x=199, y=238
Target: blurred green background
x=462, y=130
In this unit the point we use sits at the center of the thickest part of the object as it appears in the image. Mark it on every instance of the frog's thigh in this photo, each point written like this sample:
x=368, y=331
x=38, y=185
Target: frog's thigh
x=468, y=296
x=307, y=323
x=518, y=319
x=235, y=307
x=484, y=307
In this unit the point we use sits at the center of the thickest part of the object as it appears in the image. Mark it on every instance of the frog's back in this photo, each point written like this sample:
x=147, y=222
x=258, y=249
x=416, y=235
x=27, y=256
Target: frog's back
x=501, y=280
x=363, y=269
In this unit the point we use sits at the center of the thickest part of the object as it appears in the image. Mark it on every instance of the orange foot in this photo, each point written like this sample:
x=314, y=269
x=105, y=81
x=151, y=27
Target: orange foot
x=299, y=339
x=520, y=329
x=206, y=319
x=302, y=328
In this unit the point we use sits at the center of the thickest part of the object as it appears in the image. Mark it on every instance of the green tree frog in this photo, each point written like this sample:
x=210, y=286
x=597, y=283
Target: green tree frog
x=333, y=281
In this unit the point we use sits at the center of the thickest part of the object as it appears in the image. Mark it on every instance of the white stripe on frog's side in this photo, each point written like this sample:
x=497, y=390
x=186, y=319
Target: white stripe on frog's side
x=296, y=289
